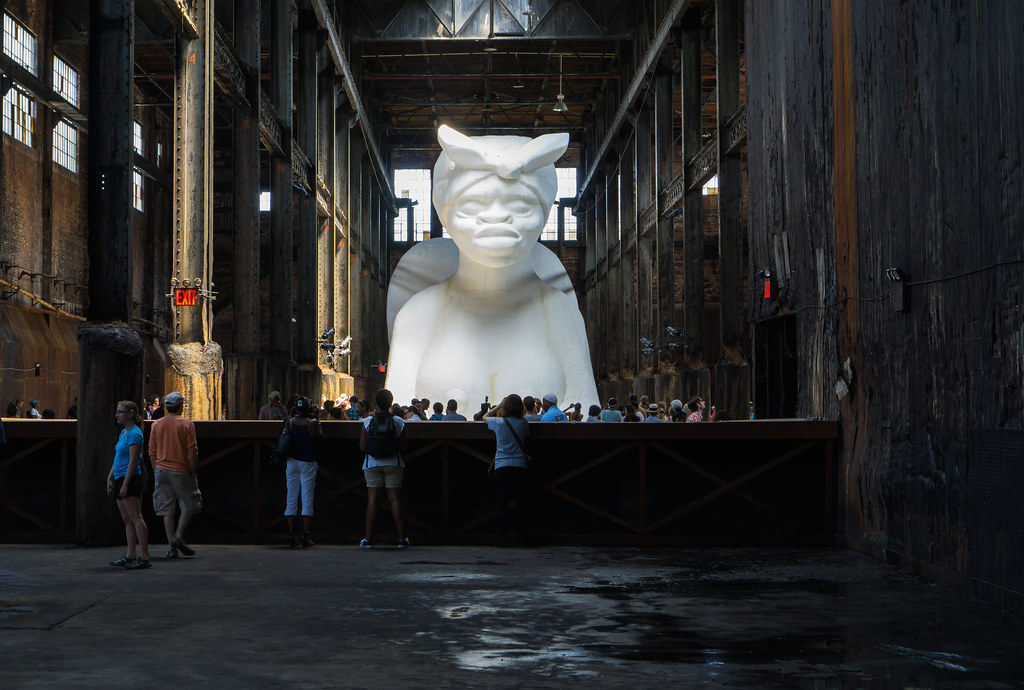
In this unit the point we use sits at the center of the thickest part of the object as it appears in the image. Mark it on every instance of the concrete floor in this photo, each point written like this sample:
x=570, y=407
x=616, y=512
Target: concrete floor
x=267, y=617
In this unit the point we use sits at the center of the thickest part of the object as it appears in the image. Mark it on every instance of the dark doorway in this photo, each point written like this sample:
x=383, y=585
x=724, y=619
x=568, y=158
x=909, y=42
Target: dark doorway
x=775, y=368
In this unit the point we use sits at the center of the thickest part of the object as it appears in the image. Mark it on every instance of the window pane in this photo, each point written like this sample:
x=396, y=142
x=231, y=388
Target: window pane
x=19, y=119
x=19, y=43
x=415, y=185
x=65, y=80
x=65, y=145
x=137, y=190
x=566, y=188
x=138, y=138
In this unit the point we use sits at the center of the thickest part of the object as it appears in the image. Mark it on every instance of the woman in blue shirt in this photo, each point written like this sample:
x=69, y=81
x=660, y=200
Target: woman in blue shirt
x=125, y=483
x=510, y=466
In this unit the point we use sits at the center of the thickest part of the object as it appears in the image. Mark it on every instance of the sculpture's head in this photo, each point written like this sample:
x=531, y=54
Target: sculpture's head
x=493, y=193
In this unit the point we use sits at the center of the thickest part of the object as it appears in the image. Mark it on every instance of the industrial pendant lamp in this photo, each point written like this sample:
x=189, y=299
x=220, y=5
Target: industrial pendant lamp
x=560, y=106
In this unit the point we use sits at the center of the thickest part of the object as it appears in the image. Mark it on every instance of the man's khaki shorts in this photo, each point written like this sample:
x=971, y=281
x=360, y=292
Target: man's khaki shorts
x=175, y=487
x=385, y=476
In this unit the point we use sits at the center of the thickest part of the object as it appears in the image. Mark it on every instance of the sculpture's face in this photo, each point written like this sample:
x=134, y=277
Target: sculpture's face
x=495, y=222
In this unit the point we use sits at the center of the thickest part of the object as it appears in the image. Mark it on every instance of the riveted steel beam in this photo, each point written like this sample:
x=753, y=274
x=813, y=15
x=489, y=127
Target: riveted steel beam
x=639, y=81
x=380, y=169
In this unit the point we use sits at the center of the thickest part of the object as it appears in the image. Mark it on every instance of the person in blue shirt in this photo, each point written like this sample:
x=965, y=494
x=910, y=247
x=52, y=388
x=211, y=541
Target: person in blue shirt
x=453, y=412
x=551, y=411
x=124, y=483
x=511, y=466
x=438, y=413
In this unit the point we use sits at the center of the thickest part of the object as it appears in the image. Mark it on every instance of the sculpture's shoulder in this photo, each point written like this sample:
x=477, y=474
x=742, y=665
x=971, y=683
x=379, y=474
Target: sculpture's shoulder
x=426, y=302
x=556, y=300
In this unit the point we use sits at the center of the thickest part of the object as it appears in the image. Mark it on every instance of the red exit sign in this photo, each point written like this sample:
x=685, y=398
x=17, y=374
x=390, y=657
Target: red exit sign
x=185, y=297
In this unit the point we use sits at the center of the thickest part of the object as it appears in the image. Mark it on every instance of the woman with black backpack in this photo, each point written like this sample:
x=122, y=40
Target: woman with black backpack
x=382, y=440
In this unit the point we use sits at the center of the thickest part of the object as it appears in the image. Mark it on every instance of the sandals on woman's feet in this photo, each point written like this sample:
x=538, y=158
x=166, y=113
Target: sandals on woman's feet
x=123, y=561
x=138, y=564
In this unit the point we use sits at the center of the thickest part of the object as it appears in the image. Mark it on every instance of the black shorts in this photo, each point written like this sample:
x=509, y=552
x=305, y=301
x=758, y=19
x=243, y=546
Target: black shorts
x=134, y=486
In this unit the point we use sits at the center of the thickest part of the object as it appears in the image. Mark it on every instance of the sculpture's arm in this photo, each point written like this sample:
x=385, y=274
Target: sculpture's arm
x=407, y=339
x=574, y=351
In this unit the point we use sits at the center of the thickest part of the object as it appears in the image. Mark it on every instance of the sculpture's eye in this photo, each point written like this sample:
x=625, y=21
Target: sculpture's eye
x=470, y=207
x=519, y=206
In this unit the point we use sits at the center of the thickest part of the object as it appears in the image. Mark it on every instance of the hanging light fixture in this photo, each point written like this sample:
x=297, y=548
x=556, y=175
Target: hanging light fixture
x=560, y=106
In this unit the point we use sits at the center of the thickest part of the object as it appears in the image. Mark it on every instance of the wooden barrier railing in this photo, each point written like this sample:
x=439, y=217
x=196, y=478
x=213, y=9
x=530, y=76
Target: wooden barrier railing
x=739, y=483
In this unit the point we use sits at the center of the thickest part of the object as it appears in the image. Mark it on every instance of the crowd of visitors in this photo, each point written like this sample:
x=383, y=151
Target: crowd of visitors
x=173, y=450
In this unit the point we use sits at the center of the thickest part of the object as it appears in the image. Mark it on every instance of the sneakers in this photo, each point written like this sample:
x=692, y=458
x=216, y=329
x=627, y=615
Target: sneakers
x=184, y=548
x=403, y=543
x=364, y=544
x=131, y=562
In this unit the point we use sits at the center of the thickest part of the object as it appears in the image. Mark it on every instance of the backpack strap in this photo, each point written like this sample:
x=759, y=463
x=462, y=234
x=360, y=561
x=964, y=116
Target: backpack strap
x=516, y=437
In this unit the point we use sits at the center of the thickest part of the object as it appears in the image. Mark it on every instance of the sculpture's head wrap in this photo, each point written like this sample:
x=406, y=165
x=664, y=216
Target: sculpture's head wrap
x=465, y=161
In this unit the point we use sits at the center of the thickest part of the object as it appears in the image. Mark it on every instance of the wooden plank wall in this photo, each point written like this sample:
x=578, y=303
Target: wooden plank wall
x=921, y=95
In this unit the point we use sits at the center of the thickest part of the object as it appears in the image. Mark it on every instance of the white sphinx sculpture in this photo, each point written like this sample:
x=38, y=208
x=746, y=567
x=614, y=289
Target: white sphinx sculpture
x=475, y=318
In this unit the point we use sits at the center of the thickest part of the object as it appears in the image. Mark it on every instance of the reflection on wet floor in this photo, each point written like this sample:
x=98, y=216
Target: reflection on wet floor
x=731, y=622
x=485, y=617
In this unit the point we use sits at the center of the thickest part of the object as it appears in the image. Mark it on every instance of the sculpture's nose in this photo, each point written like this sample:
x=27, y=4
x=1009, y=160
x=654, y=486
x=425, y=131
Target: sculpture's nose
x=497, y=212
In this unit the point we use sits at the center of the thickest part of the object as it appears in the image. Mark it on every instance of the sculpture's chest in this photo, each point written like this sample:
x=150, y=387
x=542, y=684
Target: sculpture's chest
x=492, y=354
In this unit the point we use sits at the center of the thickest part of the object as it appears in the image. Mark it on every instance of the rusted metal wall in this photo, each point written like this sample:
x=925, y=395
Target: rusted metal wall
x=881, y=137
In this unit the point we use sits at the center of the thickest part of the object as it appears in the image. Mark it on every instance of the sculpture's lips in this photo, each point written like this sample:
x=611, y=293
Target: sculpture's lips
x=499, y=231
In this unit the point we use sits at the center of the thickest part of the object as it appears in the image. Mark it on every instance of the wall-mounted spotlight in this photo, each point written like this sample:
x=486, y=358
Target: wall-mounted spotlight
x=901, y=291
x=674, y=332
x=644, y=342
x=39, y=368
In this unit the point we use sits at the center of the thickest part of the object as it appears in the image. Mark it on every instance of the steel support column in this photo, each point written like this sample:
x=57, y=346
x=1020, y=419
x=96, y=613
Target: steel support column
x=343, y=216
x=243, y=381
x=664, y=240
x=110, y=352
x=600, y=215
x=614, y=271
x=732, y=372
x=281, y=369
x=647, y=210
x=696, y=374
x=196, y=367
x=307, y=285
x=627, y=203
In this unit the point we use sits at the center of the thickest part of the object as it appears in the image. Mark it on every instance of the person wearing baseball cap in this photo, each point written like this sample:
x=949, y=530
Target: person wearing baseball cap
x=611, y=412
x=273, y=409
x=551, y=411
x=175, y=454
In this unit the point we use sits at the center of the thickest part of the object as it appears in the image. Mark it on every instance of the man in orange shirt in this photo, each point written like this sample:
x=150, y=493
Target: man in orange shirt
x=174, y=451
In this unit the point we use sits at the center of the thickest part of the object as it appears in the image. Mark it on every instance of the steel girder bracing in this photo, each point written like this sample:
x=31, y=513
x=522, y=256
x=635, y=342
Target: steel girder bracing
x=494, y=19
